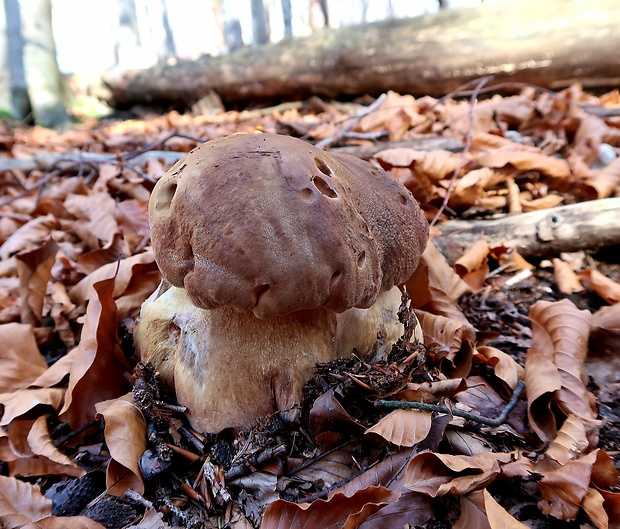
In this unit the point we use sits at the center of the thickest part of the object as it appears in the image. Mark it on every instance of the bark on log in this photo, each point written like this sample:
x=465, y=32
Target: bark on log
x=552, y=44
x=582, y=226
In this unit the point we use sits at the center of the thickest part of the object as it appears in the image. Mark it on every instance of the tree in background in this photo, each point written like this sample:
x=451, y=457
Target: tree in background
x=29, y=66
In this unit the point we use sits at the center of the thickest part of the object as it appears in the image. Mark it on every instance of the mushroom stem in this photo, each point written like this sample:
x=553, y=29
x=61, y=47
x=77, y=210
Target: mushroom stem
x=228, y=367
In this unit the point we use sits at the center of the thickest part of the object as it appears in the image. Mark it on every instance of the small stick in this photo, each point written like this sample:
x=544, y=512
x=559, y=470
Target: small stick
x=500, y=419
x=62, y=440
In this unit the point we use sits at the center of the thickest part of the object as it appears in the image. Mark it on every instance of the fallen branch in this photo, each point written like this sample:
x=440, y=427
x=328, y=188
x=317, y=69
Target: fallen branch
x=496, y=421
x=583, y=226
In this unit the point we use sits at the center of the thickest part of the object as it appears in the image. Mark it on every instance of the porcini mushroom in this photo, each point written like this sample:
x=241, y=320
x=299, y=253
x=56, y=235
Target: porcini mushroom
x=266, y=245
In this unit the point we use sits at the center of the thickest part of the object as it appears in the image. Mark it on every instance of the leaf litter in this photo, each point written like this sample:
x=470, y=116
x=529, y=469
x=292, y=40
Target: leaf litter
x=91, y=439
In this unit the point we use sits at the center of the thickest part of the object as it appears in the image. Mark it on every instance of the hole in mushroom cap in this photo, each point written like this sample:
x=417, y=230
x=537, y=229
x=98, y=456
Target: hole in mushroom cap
x=257, y=292
x=364, y=228
x=323, y=167
x=307, y=195
x=165, y=196
x=361, y=260
x=402, y=199
x=323, y=187
x=335, y=278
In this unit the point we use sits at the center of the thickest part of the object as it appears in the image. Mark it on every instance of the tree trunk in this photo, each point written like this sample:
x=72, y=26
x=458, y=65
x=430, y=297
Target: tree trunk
x=260, y=32
x=433, y=54
x=43, y=79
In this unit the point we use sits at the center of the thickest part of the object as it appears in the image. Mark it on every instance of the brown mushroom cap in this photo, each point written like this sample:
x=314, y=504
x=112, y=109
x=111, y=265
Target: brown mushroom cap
x=271, y=224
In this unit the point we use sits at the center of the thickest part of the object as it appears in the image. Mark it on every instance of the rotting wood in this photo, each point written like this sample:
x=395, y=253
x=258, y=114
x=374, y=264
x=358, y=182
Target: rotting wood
x=524, y=41
x=582, y=226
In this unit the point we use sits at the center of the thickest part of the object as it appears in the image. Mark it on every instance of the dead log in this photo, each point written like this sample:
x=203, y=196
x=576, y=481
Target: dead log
x=583, y=226
x=551, y=44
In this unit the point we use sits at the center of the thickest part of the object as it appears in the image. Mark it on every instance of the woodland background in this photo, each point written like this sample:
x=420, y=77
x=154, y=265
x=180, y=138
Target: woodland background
x=518, y=294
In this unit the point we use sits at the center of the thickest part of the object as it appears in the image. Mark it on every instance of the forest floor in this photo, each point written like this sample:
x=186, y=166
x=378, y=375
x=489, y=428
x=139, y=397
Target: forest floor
x=531, y=335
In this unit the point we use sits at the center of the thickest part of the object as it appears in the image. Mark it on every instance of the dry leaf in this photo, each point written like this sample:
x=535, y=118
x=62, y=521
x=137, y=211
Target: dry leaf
x=438, y=474
x=554, y=368
x=402, y=427
x=504, y=365
x=498, y=516
x=65, y=522
x=566, y=279
x=20, y=358
x=339, y=512
x=606, y=288
x=99, y=369
x=21, y=503
x=125, y=435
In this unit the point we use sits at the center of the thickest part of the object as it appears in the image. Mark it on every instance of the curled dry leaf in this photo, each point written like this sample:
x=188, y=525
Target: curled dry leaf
x=339, y=512
x=603, y=362
x=99, y=367
x=604, y=287
x=554, y=367
x=564, y=489
x=504, y=365
x=472, y=512
x=435, y=165
x=566, y=279
x=498, y=516
x=526, y=161
x=570, y=443
x=21, y=503
x=64, y=522
x=20, y=402
x=403, y=427
x=122, y=271
x=29, y=236
x=42, y=445
x=606, y=179
x=593, y=506
x=34, y=270
x=473, y=258
x=20, y=358
x=411, y=507
x=437, y=474
x=125, y=435
x=449, y=343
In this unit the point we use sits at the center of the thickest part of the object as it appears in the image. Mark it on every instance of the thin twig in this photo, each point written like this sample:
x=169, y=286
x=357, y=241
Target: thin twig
x=246, y=466
x=466, y=147
x=351, y=122
x=500, y=419
x=23, y=193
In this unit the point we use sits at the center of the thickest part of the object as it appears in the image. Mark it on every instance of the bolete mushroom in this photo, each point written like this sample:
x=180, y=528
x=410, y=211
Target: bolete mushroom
x=275, y=256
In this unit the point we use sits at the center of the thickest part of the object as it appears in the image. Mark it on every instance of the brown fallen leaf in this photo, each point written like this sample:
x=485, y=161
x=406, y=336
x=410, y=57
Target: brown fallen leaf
x=604, y=287
x=437, y=474
x=593, y=506
x=99, y=370
x=34, y=269
x=21, y=503
x=64, y=522
x=125, y=435
x=504, y=365
x=402, y=427
x=449, y=343
x=411, y=507
x=339, y=512
x=554, y=368
x=606, y=179
x=526, y=161
x=564, y=489
x=498, y=516
x=472, y=512
x=20, y=358
x=29, y=236
x=566, y=279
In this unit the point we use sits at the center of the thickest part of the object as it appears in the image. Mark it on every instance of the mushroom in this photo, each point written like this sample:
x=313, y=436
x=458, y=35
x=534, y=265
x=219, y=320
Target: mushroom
x=275, y=256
